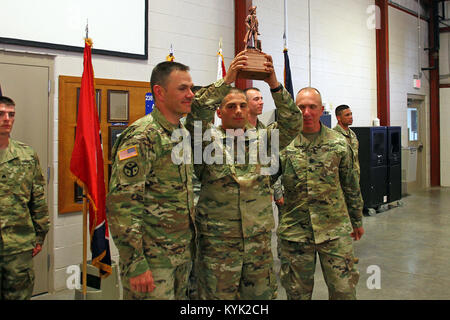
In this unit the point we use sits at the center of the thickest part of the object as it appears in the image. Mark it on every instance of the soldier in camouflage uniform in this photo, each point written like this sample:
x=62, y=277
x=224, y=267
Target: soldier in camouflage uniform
x=234, y=212
x=150, y=203
x=323, y=207
x=344, y=117
x=24, y=219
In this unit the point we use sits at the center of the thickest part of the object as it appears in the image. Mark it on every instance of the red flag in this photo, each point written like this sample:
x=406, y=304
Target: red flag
x=87, y=166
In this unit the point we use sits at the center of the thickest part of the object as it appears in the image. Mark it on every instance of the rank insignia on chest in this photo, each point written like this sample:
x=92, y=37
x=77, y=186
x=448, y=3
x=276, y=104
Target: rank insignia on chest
x=128, y=153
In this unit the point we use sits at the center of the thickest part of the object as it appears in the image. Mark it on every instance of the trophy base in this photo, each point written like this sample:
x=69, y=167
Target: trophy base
x=255, y=69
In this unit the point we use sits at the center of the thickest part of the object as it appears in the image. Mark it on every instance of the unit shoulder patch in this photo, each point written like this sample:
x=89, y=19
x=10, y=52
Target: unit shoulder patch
x=131, y=169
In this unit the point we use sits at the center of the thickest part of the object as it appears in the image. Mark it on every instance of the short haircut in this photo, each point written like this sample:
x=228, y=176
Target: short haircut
x=341, y=108
x=311, y=89
x=162, y=71
x=232, y=91
x=251, y=88
x=7, y=101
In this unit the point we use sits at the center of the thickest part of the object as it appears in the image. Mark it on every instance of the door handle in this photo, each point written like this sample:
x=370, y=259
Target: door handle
x=48, y=174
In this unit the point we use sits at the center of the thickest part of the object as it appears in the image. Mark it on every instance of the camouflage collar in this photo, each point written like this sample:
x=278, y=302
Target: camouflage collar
x=343, y=131
x=300, y=140
x=248, y=126
x=159, y=117
x=260, y=125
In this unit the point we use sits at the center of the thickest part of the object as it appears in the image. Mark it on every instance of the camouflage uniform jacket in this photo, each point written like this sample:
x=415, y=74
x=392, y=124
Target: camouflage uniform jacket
x=24, y=219
x=150, y=203
x=235, y=199
x=352, y=140
x=322, y=195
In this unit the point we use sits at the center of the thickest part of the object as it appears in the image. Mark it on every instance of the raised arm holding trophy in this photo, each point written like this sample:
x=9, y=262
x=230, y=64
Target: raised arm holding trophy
x=255, y=68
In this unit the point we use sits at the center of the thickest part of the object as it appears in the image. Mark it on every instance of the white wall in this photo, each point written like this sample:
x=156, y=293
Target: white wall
x=404, y=63
x=343, y=64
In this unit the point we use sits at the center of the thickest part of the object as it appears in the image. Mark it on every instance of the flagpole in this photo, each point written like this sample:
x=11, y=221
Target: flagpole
x=309, y=40
x=85, y=213
x=85, y=209
x=285, y=25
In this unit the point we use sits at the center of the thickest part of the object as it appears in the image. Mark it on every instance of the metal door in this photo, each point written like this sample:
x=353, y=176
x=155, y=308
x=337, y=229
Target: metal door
x=416, y=144
x=28, y=85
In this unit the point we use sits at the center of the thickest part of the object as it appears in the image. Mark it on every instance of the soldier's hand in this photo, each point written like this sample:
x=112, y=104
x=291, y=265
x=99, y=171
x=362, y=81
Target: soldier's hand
x=272, y=79
x=143, y=282
x=36, y=250
x=357, y=233
x=239, y=62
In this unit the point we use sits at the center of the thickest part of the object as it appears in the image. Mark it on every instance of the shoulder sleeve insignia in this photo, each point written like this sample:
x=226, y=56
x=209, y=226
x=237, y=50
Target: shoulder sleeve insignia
x=131, y=169
x=128, y=153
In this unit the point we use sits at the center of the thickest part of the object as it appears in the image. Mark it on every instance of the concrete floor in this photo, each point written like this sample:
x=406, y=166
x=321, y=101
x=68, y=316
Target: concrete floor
x=409, y=244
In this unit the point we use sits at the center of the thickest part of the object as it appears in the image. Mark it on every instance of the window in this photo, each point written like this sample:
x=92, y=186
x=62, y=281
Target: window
x=413, y=119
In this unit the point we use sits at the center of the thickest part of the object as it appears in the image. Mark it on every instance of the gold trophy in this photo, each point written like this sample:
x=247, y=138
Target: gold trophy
x=255, y=68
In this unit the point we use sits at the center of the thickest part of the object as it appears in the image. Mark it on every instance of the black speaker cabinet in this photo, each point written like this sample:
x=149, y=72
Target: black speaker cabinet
x=394, y=145
x=394, y=182
x=380, y=162
x=394, y=163
x=373, y=163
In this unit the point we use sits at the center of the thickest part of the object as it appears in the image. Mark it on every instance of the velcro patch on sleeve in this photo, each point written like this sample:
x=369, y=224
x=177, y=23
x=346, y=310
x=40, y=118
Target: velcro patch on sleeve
x=128, y=153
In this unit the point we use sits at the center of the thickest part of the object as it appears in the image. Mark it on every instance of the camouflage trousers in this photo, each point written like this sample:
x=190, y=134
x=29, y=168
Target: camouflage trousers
x=298, y=265
x=16, y=276
x=235, y=268
x=170, y=283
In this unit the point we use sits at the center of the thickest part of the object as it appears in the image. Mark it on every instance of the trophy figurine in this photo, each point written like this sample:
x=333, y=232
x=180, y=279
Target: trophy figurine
x=255, y=68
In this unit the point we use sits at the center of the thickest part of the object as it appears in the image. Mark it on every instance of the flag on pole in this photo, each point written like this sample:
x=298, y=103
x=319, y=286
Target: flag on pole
x=287, y=67
x=221, y=71
x=86, y=164
x=287, y=74
x=170, y=57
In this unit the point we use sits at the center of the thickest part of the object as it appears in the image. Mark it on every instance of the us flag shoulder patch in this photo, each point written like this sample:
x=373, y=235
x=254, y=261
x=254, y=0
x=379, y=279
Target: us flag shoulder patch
x=128, y=153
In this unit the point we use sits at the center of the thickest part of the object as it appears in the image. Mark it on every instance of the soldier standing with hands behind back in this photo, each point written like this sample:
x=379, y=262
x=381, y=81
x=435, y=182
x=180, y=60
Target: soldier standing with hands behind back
x=24, y=220
x=344, y=117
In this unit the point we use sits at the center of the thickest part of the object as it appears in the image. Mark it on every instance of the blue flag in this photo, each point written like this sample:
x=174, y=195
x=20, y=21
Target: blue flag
x=149, y=102
x=287, y=74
